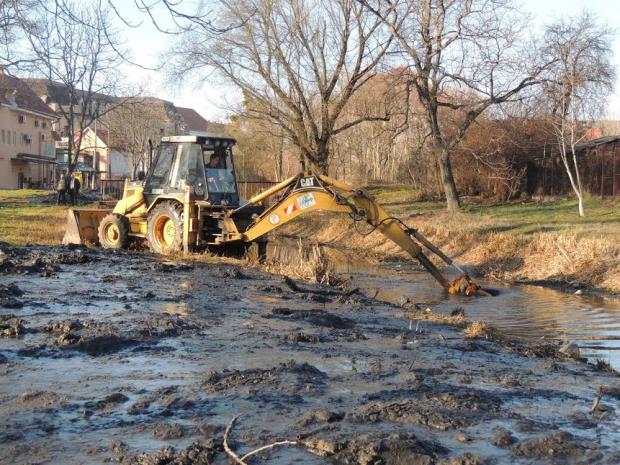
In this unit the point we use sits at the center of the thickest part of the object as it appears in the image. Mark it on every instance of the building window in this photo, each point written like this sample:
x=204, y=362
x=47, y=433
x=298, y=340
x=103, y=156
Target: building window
x=14, y=138
x=21, y=119
x=3, y=136
x=36, y=123
x=43, y=137
x=43, y=124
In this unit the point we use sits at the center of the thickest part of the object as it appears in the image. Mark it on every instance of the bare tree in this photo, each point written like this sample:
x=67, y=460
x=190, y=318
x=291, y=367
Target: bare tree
x=300, y=62
x=465, y=56
x=131, y=126
x=71, y=46
x=14, y=21
x=578, y=83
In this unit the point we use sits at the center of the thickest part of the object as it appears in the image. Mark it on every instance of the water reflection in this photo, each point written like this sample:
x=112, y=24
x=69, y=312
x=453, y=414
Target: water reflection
x=528, y=312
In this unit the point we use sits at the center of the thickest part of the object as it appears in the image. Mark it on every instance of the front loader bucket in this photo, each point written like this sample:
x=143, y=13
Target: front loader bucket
x=82, y=225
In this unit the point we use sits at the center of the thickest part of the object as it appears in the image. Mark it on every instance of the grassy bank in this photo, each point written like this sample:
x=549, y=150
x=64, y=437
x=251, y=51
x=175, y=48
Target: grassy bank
x=24, y=221
x=543, y=241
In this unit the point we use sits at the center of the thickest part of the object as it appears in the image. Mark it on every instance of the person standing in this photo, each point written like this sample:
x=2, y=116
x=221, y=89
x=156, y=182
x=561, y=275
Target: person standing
x=61, y=189
x=78, y=185
x=74, y=188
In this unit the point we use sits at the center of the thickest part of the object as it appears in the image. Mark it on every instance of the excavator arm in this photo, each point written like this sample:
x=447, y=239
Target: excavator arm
x=308, y=192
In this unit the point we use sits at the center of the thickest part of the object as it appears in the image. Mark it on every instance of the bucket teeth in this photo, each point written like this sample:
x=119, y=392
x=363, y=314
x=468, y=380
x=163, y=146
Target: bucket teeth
x=465, y=286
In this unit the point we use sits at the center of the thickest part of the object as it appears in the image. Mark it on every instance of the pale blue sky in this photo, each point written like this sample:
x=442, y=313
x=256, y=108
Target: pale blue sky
x=209, y=100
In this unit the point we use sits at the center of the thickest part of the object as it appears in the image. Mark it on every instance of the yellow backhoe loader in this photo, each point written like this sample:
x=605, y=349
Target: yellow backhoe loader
x=190, y=200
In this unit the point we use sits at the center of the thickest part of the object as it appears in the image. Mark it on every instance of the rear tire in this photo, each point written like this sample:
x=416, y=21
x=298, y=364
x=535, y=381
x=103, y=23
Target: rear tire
x=113, y=231
x=164, y=232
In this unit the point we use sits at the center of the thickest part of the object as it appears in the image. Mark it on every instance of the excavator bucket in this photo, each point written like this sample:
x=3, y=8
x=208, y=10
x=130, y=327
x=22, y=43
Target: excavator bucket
x=82, y=225
x=464, y=285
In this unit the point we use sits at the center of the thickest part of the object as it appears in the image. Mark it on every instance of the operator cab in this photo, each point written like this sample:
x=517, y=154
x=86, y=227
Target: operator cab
x=202, y=163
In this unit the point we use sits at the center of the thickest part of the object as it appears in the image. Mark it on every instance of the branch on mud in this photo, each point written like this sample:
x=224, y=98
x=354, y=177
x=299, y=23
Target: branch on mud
x=241, y=460
x=597, y=401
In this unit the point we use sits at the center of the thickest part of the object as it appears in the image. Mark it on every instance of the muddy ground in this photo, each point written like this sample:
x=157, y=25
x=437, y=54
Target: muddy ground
x=120, y=357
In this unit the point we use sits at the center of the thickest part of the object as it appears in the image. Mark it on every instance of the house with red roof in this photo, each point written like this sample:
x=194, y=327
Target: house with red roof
x=27, y=154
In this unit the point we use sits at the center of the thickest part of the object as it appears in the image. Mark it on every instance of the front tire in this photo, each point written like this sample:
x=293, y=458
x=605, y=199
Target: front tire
x=113, y=231
x=164, y=232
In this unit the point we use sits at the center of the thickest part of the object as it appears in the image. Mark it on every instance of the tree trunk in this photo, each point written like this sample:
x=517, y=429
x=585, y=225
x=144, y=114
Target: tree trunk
x=582, y=212
x=322, y=158
x=447, y=180
x=322, y=166
x=280, y=159
x=70, y=161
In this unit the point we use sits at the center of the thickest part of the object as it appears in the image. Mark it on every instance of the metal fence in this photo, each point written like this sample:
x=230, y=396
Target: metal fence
x=112, y=189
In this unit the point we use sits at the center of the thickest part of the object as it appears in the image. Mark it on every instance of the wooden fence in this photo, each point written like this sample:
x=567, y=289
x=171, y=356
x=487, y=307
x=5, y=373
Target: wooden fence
x=599, y=167
x=248, y=189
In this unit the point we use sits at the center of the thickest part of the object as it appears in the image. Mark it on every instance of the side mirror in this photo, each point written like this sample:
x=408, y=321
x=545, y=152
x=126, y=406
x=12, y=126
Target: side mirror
x=200, y=189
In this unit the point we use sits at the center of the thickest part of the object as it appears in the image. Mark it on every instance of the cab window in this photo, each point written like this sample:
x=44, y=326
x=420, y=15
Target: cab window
x=190, y=167
x=163, y=166
x=219, y=170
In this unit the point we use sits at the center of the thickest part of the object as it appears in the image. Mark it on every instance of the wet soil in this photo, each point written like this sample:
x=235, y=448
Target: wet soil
x=119, y=357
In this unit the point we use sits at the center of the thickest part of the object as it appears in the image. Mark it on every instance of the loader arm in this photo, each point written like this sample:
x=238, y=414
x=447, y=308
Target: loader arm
x=308, y=192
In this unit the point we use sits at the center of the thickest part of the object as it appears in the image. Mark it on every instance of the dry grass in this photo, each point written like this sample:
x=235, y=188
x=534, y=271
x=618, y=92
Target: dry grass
x=476, y=330
x=21, y=194
x=544, y=241
x=309, y=263
x=23, y=223
x=458, y=321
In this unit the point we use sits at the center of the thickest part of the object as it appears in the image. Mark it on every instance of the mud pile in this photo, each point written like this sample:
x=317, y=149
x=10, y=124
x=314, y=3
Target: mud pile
x=116, y=357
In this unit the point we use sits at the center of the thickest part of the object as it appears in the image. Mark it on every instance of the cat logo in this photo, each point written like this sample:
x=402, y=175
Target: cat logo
x=307, y=182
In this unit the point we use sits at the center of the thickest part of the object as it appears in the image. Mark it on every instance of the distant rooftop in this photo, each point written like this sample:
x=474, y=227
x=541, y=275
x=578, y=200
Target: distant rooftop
x=595, y=142
x=57, y=92
x=193, y=120
x=15, y=91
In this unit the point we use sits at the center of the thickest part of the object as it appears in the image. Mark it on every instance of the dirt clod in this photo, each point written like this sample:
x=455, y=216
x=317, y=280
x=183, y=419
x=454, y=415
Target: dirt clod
x=9, y=296
x=303, y=338
x=503, y=438
x=95, y=345
x=167, y=431
x=558, y=444
x=198, y=453
x=290, y=377
x=315, y=317
x=63, y=326
x=454, y=408
x=11, y=326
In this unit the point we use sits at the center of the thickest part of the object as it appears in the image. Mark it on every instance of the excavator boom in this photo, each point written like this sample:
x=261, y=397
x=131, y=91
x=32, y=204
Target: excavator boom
x=308, y=192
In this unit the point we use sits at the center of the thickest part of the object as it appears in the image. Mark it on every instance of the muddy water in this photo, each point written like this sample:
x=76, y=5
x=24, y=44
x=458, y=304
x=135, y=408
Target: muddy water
x=124, y=358
x=528, y=312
